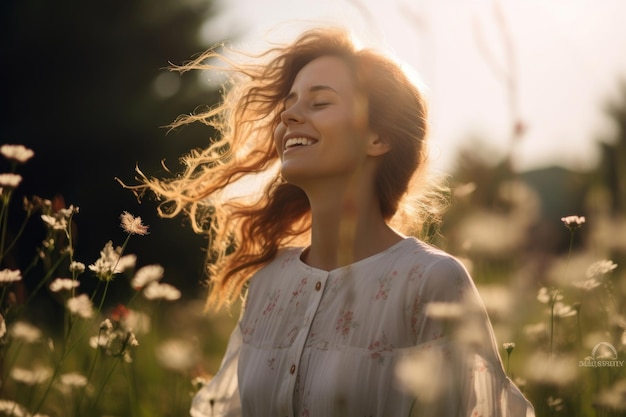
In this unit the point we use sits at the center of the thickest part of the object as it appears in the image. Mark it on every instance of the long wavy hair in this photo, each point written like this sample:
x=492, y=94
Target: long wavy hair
x=246, y=229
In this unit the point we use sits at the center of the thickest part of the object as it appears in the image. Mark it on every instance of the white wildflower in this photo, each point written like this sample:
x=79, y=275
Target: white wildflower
x=106, y=325
x=55, y=222
x=18, y=153
x=111, y=263
x=155, y=291
x=563, y=310
x=177, y=355
x=73, y=379
x=101, y=340
x=546, y=296
x=132, y=339
x=77, y=267
x=31, y=376
x=81, y=306
x=25, y=332
x=508, y=346
x=132, y=225
x=573, y=222
x=10, y=180
x=146, y=275
x=587, y=284
x=12, y=409
x=599, y=268
x=61, y=284
x=10, y=275
x=555, y=403
x=68, y=212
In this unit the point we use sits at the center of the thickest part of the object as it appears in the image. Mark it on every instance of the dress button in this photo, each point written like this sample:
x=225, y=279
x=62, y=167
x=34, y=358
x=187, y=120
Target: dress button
x=318, y=285
x=292, y=369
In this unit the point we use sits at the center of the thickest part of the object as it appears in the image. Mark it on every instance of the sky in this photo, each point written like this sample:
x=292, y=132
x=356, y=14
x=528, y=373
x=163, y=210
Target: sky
x=562, y=58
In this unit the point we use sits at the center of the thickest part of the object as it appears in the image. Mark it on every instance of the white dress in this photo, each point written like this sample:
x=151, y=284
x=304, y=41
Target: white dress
x=315, y=343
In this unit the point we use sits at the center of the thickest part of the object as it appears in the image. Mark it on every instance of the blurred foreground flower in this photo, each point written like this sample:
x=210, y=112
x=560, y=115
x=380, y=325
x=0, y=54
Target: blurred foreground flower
x=177, y=355
x=80, y=306
x=10, y=180
x=10, y=275
x=73, y=379
x=563, y=310
x=594, y=275
x=551, y=370
x=546, y=296
x=77, y=267
x=146, y=275
x=17, y=153
x=599, y=268
x=25, y=332
x=12, y=409
x=132, y=225
x=31, y=377
x=156, y=291
x=423, y=374
x=614, y=398
x=61, y=284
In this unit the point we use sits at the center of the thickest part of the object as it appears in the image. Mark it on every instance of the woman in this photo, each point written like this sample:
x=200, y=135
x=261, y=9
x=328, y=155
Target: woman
x=337, y=296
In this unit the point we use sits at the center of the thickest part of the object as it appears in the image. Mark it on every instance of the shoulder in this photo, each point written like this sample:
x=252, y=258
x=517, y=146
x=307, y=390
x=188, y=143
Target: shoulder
x=440, y=272
x=286, y=260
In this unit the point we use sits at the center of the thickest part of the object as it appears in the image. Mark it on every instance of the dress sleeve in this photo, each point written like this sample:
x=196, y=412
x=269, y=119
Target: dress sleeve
x=220, y=396
x=455, y=368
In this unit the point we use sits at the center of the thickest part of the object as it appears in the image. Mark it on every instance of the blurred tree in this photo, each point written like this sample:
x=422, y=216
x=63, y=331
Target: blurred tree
x=85, y=88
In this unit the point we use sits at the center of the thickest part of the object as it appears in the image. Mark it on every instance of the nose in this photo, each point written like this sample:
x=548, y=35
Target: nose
x=291, y=114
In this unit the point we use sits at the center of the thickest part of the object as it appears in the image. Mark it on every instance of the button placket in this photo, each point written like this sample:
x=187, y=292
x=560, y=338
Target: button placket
x=298, y=346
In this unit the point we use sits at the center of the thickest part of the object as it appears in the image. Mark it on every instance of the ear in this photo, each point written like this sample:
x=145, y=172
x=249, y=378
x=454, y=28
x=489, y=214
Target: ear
x=377, y=146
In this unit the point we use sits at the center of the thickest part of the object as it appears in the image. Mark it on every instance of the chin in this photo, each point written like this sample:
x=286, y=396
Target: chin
x=298, y=175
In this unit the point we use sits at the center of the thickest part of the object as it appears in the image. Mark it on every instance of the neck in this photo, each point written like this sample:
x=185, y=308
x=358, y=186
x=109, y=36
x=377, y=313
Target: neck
x=347, y=226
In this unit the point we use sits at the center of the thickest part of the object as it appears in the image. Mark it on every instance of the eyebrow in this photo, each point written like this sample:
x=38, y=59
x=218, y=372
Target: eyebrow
x=313, y=89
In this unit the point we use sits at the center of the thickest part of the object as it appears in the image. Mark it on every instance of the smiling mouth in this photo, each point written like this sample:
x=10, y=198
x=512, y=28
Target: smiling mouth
x=296, y=142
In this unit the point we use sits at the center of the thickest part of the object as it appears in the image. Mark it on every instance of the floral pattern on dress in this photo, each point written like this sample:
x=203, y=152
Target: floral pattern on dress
x=295, y=295
x=416, y=311
x=416, y=273
x=385, y=286
x=345, y=322
x=378, y=347
x=272, y=299
x=247, y=330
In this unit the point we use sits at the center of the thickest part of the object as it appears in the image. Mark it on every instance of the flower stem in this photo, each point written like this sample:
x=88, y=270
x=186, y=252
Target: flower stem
x=104, y=383
x=45, y=278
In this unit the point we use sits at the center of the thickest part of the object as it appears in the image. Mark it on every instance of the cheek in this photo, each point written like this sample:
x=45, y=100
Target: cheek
x=279, y=133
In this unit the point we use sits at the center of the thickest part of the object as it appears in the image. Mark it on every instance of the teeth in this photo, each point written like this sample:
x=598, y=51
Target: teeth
x=298, y=141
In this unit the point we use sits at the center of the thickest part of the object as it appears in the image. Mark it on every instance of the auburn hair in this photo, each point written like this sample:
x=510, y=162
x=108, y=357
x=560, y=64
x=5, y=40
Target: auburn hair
x=246, y=232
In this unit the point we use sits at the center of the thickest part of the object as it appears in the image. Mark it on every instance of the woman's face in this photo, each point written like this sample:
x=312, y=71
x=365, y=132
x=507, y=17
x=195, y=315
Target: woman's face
x=324, y=132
